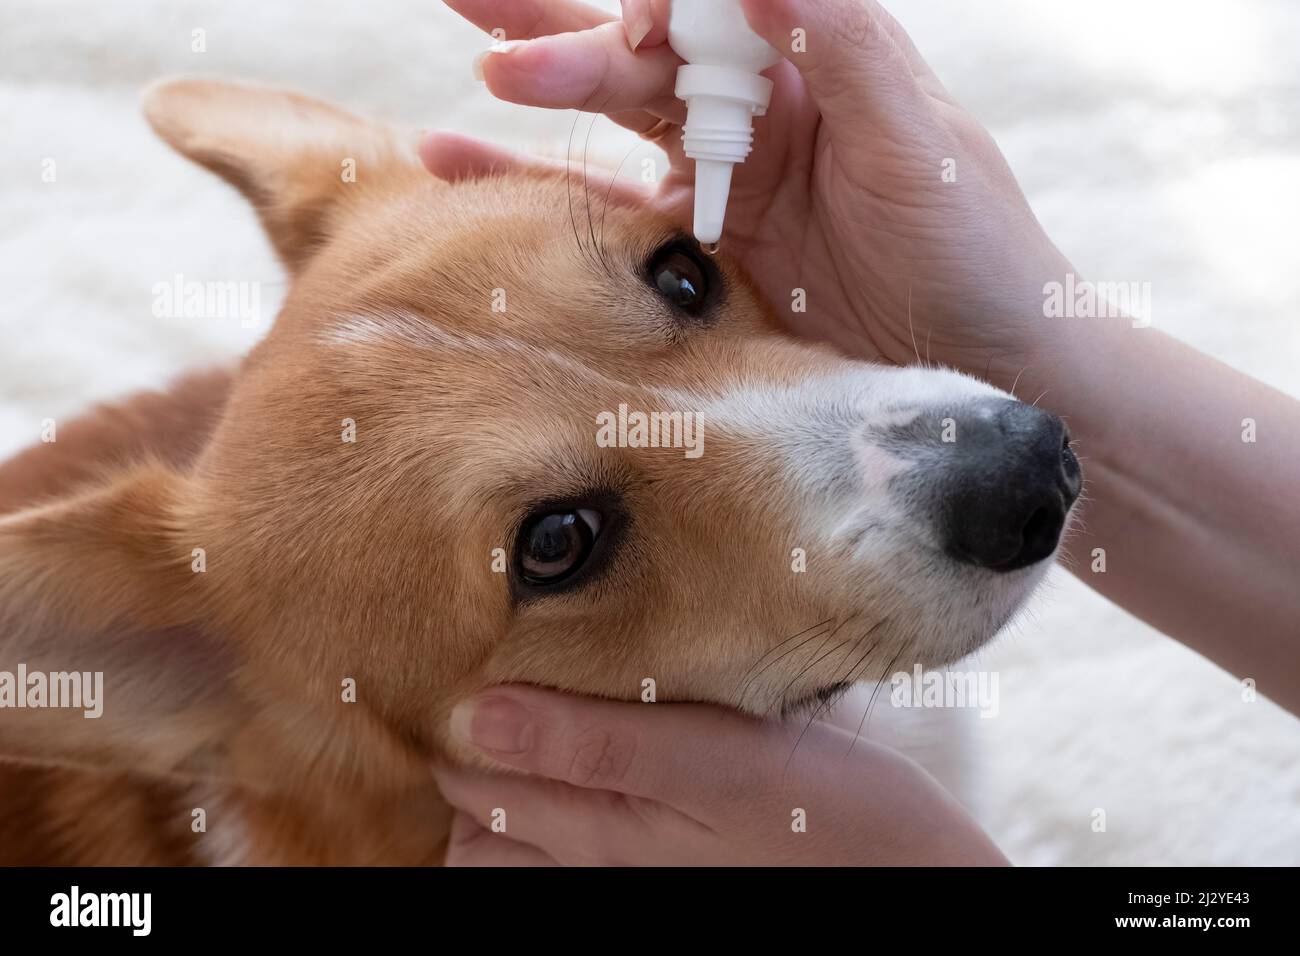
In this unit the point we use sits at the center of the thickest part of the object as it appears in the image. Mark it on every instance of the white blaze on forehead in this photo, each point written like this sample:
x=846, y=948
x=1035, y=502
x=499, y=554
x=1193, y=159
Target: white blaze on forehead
x=806, y=418
x=876, y=395
x=408, y=328
x=820, y=428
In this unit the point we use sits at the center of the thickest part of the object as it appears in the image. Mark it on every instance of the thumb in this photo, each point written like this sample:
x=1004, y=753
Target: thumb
x=859, y=66
x=686, y=755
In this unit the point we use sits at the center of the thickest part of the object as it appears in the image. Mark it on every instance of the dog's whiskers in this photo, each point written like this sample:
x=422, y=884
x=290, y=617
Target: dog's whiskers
x=762, y=657
x=910, y=328
x=595, y=250
x=609, y=193
x=824, y=637
x=586, y=190
x=1023, y=369
x=872, y=700
x=847, y=679
x=568, y=179
x=781, y=696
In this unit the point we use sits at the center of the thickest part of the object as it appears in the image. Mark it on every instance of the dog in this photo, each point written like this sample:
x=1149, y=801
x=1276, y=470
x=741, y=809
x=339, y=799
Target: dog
x=478, y=446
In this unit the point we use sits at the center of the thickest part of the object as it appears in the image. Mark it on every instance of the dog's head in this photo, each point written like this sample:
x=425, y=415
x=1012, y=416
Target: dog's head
x=503, y=430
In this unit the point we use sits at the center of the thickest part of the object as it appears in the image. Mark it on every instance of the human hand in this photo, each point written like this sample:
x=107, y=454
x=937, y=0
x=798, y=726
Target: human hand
x=683, y=784
x=845, y=195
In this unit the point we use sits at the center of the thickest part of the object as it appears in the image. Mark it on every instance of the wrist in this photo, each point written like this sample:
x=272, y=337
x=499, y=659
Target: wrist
x=998, y=324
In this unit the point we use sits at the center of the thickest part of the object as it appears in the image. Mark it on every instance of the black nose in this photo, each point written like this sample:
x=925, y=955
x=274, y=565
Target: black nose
x=1009, y=485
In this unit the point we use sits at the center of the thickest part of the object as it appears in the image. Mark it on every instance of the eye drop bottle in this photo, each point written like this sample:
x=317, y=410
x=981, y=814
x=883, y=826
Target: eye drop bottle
x=723, y=90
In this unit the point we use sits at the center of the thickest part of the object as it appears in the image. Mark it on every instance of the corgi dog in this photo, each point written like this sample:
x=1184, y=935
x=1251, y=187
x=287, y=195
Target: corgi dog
x=477, y=446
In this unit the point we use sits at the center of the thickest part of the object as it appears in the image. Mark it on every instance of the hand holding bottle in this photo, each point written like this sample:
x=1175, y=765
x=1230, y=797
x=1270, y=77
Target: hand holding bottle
x=869, y=188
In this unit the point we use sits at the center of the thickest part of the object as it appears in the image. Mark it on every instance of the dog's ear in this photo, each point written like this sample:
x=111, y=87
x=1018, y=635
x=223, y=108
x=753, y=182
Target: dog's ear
x=101, y=613
x=298, y=160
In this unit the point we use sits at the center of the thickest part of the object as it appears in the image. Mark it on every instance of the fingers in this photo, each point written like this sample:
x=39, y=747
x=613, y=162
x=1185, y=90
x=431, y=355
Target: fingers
x=646, y=22
x=690, y=757
x=580, y=58
x=526, y=19
x=571, y=825
x=872, y=804
x=590, y=70
x=453, y=157
x=856, y=70
x=473, y=845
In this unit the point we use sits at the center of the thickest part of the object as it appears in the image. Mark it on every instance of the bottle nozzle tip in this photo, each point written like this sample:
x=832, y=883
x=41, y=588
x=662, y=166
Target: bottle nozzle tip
x=712, y=186
x=708, y=235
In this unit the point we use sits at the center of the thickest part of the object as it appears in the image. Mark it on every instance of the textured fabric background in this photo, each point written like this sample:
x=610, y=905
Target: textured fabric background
x=1158, y=140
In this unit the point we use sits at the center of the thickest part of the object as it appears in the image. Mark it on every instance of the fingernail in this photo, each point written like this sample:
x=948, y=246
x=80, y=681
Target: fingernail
x=496, y=724
x=636, y=21
x=502, y=46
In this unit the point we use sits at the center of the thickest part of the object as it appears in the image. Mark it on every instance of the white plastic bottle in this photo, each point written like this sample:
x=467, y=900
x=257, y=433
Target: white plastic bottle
x=723, y=90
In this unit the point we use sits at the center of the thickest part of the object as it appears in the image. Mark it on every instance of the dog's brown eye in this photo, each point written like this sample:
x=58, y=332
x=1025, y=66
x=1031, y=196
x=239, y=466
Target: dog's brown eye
x=681, y=277
x=554, y=546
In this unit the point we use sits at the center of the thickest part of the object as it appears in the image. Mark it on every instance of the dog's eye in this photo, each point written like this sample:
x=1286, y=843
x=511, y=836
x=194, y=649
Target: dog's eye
x=681, y=276
x=554, y=546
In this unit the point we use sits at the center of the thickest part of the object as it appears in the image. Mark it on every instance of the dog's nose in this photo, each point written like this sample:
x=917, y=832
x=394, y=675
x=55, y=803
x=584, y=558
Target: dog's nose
x=1010, y=484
